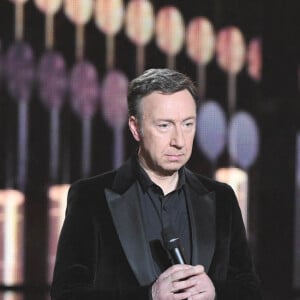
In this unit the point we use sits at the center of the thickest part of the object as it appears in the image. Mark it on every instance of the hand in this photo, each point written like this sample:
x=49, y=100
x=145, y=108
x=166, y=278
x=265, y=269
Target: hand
x=183, y=282
x=203, y=288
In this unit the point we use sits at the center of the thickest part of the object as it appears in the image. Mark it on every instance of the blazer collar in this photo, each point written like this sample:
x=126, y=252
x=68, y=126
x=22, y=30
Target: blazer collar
x=202, y=212
x=125, y=176
x=127, y=217
x=126, y=212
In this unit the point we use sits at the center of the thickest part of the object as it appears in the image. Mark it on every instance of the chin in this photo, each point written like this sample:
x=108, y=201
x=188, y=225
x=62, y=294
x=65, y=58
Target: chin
x=171, y=168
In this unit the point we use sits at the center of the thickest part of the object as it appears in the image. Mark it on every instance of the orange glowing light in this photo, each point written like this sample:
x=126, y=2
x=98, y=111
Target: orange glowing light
x=231, y=50
x=57, y=195
x=12, y=235
x=238, y=180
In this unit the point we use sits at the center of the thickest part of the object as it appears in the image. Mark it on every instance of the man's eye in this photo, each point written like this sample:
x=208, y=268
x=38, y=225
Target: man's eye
x=164, y=125
x=189, y=124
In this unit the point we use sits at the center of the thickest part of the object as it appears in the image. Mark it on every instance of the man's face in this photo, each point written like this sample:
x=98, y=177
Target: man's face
x=166, y=131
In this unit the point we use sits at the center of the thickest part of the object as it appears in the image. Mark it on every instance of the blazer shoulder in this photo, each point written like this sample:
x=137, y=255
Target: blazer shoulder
x=211, y=185
x=88, y=193
x=91, y=184
x=224, y=193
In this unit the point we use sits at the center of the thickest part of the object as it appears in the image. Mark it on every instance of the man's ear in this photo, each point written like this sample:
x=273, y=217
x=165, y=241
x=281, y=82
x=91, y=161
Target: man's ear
x=134, y=128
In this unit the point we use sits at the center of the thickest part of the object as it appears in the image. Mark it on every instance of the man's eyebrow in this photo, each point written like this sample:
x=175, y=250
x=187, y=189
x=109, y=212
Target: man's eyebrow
x=190, y=118
x=172, y=120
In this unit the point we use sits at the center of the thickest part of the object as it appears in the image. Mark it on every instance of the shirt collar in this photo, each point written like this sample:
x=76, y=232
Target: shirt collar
x=145, y=180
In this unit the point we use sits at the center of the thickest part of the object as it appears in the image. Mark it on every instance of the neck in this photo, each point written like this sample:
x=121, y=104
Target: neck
x=167, y=183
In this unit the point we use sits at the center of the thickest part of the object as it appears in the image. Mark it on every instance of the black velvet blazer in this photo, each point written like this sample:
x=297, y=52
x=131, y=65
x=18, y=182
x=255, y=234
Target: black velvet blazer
x=103, y=252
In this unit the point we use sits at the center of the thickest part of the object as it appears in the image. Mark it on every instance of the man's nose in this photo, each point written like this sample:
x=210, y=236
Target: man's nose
x=177, y=138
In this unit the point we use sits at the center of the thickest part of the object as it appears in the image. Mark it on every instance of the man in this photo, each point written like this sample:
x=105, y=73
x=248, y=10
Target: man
x=118, y=225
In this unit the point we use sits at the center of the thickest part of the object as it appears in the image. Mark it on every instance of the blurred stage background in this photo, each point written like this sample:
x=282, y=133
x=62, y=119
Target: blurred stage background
x=64, y=71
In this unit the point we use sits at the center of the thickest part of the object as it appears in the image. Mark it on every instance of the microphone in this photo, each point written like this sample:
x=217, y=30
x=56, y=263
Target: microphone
x=172, y=244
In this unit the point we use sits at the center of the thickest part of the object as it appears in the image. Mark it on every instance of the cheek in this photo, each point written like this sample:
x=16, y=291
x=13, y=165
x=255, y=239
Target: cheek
x=157, y=145
x=190, y=141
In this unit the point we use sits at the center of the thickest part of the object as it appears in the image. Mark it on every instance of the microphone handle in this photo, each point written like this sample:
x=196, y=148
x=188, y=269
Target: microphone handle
x=177, y=256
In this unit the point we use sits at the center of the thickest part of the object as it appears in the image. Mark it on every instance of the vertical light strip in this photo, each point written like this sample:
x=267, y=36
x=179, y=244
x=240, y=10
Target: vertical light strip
x=296, y=281
x=57, y=195
x=238, y=180
x=12, y=296
x=10, y=241
x=12, y=203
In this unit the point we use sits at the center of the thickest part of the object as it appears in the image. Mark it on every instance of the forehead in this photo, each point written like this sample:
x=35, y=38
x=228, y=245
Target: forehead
x=168, y=105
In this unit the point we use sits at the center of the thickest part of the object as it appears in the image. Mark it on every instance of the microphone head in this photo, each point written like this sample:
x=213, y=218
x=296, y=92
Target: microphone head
x=171, y=241
x=172, y=244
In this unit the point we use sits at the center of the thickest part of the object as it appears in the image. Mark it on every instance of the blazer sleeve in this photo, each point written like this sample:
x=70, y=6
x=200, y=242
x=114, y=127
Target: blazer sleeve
x=241, y=282
x=76, y=258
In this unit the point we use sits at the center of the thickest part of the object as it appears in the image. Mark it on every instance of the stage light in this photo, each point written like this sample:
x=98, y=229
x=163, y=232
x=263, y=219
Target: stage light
x=12, y=236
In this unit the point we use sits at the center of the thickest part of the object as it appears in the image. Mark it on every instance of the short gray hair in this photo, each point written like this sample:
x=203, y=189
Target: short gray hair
x=166, y=81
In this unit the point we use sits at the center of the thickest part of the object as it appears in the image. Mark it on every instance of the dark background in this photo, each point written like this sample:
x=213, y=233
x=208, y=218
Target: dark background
x=274, y=103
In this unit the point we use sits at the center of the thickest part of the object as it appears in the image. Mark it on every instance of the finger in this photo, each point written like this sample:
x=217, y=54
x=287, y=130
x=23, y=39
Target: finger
x=174, y=269
x=182, y=274
x=202, y=287
x=182, y=295
x=186, y=285
x=163, y=289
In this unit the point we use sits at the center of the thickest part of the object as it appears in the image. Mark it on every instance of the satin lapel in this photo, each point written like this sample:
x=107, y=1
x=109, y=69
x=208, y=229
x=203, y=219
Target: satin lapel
x=202, y=213
x=127, y=217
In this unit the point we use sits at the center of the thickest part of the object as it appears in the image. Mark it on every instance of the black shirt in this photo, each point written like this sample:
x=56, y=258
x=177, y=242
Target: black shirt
x=162, y=211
